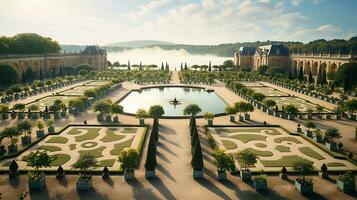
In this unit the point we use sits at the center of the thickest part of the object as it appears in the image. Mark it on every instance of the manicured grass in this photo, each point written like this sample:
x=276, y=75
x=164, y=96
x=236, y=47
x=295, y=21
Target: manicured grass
x=261, y=145
x=120, y=146
x=289, y=139
x=94, y=152
x=249, y=137
x=335, y=164
x=90, y=135
x=57, y=139
x=50, y=148
x=229, y=145
x=111, y=136
x=271, y=132
x=6, y=164
x=72, y=146
x=107, y=163
x=282, y=148
x=89, y=144
x=287, y=161
x=74, y=131
x=129, y=130
x=60, y=159
x=310, y=152
x=260, y=153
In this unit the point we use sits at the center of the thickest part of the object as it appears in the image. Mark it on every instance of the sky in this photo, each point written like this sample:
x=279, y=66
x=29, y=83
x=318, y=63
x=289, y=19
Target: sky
x=180, y=21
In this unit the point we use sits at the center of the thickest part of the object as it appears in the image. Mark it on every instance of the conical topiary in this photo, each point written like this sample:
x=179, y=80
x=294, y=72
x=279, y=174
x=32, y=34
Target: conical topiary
x=194, y=138
x=151, y=163
x=197, y=159
x=193, y=127
x=324, y=168
x=13, y=166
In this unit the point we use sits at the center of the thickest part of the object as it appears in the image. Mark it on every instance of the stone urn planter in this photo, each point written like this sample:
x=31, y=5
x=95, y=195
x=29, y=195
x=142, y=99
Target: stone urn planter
x=37, y=183
x=308, y=133
x=141, y=121
x=40, y=133
x=210, y=122
x=304, y=188
x=51, y=129
x=116, y=119
x=245, y=175
x=25, y=140
x=197, y=174
x=84, y=183
x=221, y=175
x=247, y=116
x=150, y=173
x=12, y=148
x=129, y=174
x=332, y=146
x=260, y=185
x=232, y=118
x=345, y=186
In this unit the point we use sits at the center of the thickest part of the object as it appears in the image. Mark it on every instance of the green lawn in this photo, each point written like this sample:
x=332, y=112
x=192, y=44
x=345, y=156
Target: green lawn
x=249, y=137
x=58, y=139
x=94, y=152
x=90, y=135
x=287, y=161
x=335, y=164
x=60, y=159
x=289, y=139
x=260, y=153
x=260, y=145
x=50, y=148
x=111, y=136
x=89, y=144
x=107, y=163
x=120, y=146
x=310, y=152
x=72, y=146
x=129, y=130
x=229, y=145
x=282, y=148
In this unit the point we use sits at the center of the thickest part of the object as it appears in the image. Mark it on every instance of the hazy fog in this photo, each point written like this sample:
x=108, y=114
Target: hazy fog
x=156, y=55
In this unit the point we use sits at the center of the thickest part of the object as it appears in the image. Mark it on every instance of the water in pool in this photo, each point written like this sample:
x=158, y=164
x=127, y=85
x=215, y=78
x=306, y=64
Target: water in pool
x=207, y=101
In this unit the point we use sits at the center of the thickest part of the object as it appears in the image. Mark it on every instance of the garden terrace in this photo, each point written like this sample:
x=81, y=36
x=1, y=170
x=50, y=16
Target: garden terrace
x=79, y=90
x=268, y=91
x=49, y=100
x=275, y=148
x=302, y=105
x=103, y=142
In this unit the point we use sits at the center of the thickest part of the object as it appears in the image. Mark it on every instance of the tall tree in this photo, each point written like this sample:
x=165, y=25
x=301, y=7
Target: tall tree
x=310, y=79
x=151, y=162
x=54, y=74
x=301, y=75
x=60, y=73
x=8, y=75
x=209, y=66
x=128, y=64
x=323, y=77
x=185, y=66
x=41, y=74
x=197, y=158
x=162, y=66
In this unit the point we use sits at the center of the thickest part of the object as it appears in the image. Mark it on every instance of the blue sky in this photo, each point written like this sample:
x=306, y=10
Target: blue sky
x=180, y=21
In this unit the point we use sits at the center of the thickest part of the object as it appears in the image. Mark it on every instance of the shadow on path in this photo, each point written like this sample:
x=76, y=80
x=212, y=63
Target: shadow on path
x=162, y=157
x=140, y=192
x=165, y=172
x=165, y=148
x=159, y=185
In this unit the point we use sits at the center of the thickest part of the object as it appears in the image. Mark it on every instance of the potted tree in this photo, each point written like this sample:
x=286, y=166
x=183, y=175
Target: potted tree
x=223, y=162
x=38, y=159
x=129, y=159
x=231, y=111
x=11, y=132
x=331, y=134
x=103, y=107
x=309, y=112
x=239, y=107
x=209, y=117
x=50, y=126
x=24, y=126
x=246, y=108
x=60, y=172
x=247, y=158
x=291, y=110
x=260, y=182
x=283, y=173
x=13, y=169
x=40, y=132
x=20, y=108
x=33, y=109
x=192, y=110
x=156, y=111
x=106, y=173
x=269, y=104
x=150, y=164
x=303, y=184
x=4, y=109
x=141, y=114
x=346, y=182
x=116, y=109
x=84, y=163
x=309, y=125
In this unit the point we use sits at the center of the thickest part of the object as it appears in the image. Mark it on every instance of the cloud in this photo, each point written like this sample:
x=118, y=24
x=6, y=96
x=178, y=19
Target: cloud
x=326, y=31
x=146, y=9
x=296, y=2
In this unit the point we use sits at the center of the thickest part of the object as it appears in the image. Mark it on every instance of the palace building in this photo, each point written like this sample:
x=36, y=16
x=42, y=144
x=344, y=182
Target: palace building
x=92, y=55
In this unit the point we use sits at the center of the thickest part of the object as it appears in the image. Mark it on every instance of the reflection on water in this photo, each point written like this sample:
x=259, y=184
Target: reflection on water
x=156, y=55
x=208, y=101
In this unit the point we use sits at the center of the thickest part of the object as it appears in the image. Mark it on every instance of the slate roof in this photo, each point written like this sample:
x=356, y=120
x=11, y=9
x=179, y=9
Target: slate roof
x=247, y=50
x=274, y=50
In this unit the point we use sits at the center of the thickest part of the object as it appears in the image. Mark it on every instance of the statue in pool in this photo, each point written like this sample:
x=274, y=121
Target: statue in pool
x=175, y=101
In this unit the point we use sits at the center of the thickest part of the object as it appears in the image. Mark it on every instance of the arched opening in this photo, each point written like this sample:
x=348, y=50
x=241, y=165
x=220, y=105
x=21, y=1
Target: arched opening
x=332, y=67
x=323, y=66
x=314, y=68
x=35, y=66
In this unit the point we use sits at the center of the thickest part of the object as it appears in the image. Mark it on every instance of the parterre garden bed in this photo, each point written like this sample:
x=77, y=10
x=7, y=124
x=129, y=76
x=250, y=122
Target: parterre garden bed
x=105, y=143
x=301, y=104
x=268, y=91
x=275, y=148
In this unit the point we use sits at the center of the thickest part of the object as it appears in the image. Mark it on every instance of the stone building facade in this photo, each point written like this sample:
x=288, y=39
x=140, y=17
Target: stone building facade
x=92, y=55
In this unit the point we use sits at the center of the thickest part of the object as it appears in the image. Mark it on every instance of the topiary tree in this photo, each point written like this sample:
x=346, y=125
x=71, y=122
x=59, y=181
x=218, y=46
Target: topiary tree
x=304, y=168
x=24, y=126
x=151, y=163
x=141, y=114
x=156, y=111
x=310, y=125
x=332, y=133
x=247, y=158
x=39, y=159
x=197, y=158
x=84, y=163
x=129, y=159
x=192, y=109
x=209, y=117
x=258, y=96
x=269, y=103
x=13, y=167
x=223, y=161
x=231, y=110
x=291, y=110
x=103, y=107
x=11, y=132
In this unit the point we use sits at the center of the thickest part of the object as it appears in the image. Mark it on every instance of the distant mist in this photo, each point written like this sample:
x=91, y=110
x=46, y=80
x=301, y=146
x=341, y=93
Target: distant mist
x=156, y=55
